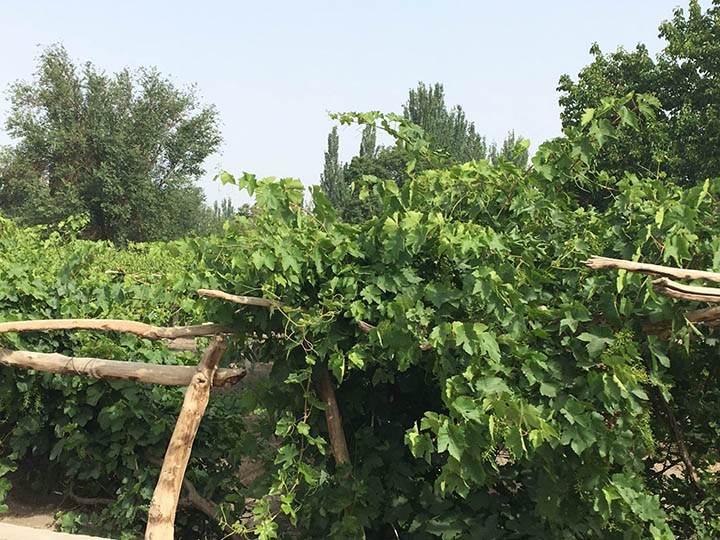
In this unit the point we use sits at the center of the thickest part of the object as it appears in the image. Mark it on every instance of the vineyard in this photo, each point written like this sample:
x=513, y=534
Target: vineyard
x=488, y=384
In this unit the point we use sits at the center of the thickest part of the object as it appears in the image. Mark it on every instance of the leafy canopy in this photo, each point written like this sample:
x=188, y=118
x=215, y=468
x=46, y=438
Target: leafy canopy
x=504, y=392
x=125, y=149
x=447, y=131
x=684, y=77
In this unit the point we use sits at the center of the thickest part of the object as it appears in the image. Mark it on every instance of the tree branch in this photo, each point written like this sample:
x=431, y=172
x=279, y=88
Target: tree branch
x=245, y=300
x=263, y=302
x=115, y=325
x=601, y=263
x=90, y=501
x=667, y=287
x=679, y=439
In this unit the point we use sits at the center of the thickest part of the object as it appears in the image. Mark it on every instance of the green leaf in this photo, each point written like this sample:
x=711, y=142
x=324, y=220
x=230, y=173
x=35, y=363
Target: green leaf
x=629, y=118
x=227, y=178
x=548, y=389
x=467, y=407
x=595, y=344
x=491, y=385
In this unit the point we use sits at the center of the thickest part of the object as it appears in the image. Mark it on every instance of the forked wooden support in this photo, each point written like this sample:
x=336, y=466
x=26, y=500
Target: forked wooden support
x=161, y=515
x=323, y=383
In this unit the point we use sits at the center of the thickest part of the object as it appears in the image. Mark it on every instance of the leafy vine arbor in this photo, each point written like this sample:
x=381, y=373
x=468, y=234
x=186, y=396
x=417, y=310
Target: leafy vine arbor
x=490, y=386
x=199, y=380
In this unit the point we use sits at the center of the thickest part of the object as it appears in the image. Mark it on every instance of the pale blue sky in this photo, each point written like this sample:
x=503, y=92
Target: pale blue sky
x=274, y=69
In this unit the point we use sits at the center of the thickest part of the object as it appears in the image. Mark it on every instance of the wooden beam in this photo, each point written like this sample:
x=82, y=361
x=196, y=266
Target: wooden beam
x=142, y=330
x=667, y=287
x=601, y=263
x=161, y=514
x=245, y=300
x=263, y=302
x=703, y=315
x=197, y=501
x=113, y=369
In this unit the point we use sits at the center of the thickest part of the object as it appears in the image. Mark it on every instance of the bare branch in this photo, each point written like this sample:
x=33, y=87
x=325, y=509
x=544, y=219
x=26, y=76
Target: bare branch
x=679, y=439
x=263, y=302
x=245, y=300
x=366, y=327
x=703, y=315
x=90, y=501
x=673, y=289
x=115, y=325
x=600, y=263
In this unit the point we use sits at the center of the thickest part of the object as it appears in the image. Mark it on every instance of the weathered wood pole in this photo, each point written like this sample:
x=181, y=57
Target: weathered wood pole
x=100, y=368
x=161, y=515
x=142, y=330
x=326, y=393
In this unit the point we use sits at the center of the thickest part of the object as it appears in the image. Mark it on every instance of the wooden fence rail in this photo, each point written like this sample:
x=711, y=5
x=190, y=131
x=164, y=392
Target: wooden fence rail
x=161, y=515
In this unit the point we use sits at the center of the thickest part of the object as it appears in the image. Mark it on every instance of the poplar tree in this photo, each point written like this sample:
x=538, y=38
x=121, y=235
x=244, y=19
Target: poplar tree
x=331, y=180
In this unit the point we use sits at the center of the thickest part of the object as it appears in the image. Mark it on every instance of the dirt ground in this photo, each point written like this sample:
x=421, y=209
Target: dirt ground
x=28, y=521
x=31, y=516
x=28, y=508
x=17, y=532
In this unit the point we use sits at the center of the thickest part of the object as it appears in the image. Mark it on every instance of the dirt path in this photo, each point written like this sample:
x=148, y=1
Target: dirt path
x=17, y=532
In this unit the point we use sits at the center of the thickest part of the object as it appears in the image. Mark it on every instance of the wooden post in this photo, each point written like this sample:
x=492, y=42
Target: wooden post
x=161, y=515
x=326, y=393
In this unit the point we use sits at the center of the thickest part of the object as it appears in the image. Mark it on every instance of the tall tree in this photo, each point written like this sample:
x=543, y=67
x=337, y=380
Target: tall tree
x=331, y=180
x=369, y=141
x=507, y=151
x=685, y=76
x=125, y=149
x=450, y=129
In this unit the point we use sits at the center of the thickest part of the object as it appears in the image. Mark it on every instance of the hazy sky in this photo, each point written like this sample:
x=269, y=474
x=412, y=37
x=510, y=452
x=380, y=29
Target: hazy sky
x=274, y=69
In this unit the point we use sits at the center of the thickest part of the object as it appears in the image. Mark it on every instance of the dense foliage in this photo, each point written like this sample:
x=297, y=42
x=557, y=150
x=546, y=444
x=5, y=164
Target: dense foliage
x=537, y=408
x=505, y=391
x=126, y=149
x=685, y=77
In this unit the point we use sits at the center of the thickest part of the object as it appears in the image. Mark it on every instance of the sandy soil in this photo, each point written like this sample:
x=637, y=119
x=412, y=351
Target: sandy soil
x=31, y=516
x=17, y=532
